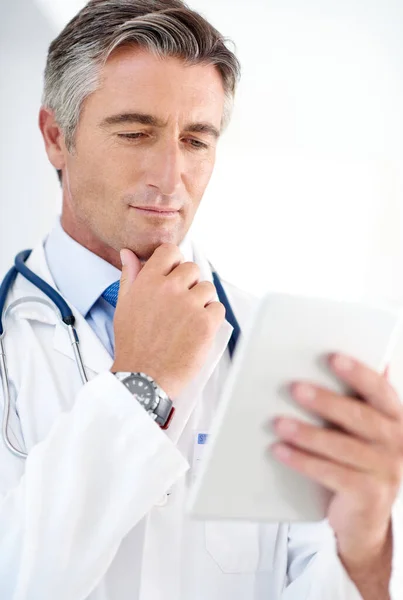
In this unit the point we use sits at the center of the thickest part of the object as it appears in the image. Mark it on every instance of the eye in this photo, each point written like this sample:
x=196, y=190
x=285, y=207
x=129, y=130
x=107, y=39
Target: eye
x=131, y=136
x=197, y=144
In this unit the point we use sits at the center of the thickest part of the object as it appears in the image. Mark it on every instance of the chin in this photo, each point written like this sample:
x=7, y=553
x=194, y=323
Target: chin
x=145, y=249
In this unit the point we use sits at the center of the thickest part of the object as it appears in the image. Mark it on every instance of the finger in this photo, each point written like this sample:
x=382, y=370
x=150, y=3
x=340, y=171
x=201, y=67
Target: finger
x=335, y=477
x=164, y=259
x=350, y=414
x=336, y=446
x=216, y=311
x=205, y=292
x=186, y=274
x=368, y=384
x=131, y=266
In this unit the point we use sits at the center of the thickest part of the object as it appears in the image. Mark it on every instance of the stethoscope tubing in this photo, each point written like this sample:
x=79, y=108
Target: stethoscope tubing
x=64, y=312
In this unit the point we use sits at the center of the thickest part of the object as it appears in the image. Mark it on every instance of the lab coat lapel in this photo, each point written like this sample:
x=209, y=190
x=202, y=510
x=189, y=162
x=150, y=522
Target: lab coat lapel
x=187, y=401
x=95, y=356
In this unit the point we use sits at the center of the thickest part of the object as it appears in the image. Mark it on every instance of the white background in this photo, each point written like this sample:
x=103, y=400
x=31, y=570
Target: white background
x=308, y=187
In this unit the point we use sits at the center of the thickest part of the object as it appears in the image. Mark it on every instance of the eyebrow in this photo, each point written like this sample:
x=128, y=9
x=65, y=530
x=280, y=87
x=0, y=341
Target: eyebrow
x=152, y=121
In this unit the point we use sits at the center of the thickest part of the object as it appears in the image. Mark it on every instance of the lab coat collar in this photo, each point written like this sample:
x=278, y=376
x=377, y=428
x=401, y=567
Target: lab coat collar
x=95, y=356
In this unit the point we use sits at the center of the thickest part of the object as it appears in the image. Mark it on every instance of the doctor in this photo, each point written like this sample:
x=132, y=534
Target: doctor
x=136, y=96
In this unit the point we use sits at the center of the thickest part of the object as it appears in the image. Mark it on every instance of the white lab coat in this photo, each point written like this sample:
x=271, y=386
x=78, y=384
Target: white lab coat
x=88, y=515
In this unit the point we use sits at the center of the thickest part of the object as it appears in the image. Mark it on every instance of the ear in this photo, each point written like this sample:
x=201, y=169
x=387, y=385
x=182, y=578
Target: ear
x=53, y=138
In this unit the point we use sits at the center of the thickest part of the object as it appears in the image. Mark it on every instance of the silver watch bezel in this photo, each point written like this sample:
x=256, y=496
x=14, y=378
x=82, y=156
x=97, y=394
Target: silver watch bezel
x=123, y=376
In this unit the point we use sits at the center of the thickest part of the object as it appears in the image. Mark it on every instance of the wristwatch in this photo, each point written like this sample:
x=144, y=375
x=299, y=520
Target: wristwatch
x=151, y=397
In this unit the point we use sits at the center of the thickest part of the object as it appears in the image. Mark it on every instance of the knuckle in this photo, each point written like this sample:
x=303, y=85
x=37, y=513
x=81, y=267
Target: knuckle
x=206, y=288
x=192, y=269
x=215, y=316
x=169, y=286
x=183, y=273
x=218, y=310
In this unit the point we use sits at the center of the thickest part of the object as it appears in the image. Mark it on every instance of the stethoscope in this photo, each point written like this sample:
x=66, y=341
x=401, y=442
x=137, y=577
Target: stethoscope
x=62, y=310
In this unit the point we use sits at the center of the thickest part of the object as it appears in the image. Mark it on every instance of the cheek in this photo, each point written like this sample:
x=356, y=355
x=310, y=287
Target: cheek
x=103, y=162
x=198, y=177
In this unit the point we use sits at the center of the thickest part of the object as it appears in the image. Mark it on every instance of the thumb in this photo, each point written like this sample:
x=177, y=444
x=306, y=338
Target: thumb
x=131, y=267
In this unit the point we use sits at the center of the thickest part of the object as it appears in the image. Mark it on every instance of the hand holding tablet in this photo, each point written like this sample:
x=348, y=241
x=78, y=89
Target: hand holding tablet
x=288, y=340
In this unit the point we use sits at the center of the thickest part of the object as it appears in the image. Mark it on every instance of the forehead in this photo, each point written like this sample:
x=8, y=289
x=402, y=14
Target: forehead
x=167, y=87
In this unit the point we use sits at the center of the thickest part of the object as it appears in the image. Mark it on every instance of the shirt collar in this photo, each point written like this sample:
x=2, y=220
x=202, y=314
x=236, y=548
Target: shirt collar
x=80, y=275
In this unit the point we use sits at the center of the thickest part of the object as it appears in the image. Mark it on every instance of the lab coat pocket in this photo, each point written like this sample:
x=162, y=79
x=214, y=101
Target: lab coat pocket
x=237, y=547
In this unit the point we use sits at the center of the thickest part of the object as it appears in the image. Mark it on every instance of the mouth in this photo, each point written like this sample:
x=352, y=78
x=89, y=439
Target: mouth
x=157, y=211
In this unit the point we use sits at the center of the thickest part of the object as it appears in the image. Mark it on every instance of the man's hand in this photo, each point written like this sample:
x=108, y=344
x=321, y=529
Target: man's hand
x=165, y=320
x=361, y=461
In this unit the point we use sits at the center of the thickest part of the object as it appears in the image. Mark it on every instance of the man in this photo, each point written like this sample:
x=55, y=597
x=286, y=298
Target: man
x=137, y=93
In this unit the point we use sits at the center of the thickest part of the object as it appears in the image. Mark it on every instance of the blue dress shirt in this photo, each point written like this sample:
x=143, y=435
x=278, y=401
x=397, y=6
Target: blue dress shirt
x=82, y=277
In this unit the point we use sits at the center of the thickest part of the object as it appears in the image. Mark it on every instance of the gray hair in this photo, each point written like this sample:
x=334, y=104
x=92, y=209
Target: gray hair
x=165, y=27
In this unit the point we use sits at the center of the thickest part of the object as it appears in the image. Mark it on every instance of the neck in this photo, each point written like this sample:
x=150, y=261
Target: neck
x=81, y=234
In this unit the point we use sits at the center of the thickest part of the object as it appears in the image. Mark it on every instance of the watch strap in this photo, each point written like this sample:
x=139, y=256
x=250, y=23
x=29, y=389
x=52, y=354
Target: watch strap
x=163, y=411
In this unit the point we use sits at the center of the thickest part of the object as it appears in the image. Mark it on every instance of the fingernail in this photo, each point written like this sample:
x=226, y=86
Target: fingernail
x=303, y=392
x=341, y=363
x=122, y=258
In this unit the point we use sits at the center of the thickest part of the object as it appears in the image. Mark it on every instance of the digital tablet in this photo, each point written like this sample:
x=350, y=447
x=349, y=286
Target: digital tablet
x=287, y=339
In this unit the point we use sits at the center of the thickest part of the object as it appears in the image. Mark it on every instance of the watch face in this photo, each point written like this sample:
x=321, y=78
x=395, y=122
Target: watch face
x=143, y=390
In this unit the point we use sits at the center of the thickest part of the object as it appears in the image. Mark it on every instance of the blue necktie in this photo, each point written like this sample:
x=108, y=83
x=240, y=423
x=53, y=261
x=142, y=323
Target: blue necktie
x=111, y=293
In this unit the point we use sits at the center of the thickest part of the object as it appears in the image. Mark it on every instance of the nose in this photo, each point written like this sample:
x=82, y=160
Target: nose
x=165, y=170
